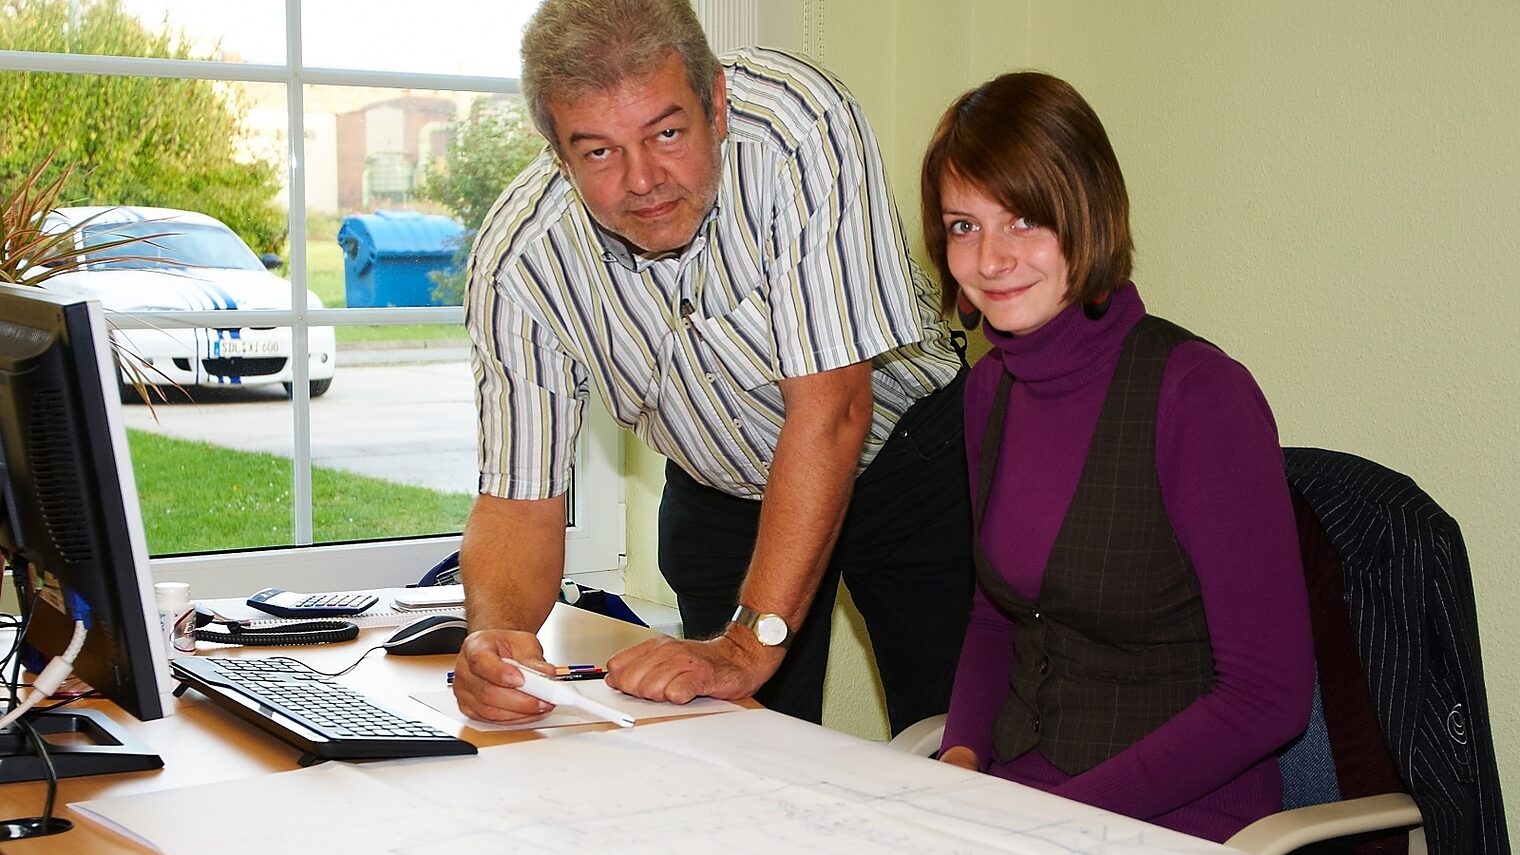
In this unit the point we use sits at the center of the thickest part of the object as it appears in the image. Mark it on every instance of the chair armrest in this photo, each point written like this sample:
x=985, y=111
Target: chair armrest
x=1281, y=833
x=921, y=737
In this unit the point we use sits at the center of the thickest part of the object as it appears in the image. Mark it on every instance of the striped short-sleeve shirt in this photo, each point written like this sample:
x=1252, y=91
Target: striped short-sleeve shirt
x=801, y=267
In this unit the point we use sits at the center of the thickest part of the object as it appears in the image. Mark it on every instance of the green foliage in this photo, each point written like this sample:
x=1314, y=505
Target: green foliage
x=490, y=146
x=448, y=283
x=129, y=140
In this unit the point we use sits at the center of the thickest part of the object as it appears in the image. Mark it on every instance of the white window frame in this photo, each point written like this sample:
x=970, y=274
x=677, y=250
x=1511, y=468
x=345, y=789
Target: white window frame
x=594, y=546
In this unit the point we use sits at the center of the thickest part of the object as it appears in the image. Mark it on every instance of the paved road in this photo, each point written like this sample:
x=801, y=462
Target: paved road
x=402, y=415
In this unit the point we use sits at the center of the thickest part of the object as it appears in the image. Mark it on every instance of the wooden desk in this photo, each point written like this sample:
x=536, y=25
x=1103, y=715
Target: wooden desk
x=201, y=744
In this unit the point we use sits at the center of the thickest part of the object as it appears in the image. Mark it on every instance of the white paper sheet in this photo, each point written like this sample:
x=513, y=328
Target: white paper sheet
x=596, y=690
x=750, y=781
x=330, y=808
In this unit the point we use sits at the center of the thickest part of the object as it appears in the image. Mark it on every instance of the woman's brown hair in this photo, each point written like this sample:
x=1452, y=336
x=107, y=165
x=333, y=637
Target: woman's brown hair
x=1031, y=143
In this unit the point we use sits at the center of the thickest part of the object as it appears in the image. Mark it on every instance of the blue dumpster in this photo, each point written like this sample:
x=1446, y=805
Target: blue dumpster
x=388, y=255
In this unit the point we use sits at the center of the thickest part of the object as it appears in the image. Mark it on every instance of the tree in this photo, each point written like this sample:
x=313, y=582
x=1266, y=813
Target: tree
x=488, y=149
x=129, y=140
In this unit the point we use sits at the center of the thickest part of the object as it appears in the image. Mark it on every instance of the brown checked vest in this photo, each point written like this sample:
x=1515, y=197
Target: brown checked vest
x=1117, y=643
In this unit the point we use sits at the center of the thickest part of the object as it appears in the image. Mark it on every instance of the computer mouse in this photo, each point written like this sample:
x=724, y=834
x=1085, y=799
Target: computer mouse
x=432, y=634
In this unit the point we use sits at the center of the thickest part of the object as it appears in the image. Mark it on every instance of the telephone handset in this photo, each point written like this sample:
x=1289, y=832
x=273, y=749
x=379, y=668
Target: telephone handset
x=239, y=631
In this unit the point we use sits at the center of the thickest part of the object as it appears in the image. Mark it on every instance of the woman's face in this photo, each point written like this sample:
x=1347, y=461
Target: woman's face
x=1010, y=268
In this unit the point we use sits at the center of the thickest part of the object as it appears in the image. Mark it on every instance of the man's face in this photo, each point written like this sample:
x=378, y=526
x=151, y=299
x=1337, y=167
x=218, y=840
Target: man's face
x=644, y=157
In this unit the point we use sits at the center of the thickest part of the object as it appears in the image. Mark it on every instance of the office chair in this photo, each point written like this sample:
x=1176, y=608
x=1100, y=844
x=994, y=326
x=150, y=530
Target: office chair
x=1398, y=740
x=1338, y=777
x=922, y=737
x=1405, y=600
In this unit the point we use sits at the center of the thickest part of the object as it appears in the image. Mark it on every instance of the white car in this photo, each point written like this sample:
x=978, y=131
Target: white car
x=196, y=264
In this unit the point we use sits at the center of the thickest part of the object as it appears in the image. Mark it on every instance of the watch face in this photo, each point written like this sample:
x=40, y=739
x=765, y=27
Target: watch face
x=771, y=630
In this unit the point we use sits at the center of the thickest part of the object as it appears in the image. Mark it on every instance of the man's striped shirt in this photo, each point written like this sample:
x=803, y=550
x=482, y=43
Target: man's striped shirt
x=800, y=268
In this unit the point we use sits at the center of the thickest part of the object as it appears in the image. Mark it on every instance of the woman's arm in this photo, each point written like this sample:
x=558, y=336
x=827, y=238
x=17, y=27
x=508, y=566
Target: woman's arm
x=981, y=677
x=981, y=680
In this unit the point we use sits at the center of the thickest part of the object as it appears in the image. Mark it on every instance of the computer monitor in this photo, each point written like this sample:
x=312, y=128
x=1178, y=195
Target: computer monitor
x=71, y=530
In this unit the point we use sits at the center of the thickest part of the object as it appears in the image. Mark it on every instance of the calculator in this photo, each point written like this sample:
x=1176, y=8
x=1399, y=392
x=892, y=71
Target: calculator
x=289, y=604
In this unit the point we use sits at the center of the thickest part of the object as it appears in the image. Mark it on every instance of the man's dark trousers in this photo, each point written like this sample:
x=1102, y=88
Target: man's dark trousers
x=904, y=552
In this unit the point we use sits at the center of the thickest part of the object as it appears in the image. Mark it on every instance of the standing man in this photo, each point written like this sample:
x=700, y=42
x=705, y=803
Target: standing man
x=713, y=247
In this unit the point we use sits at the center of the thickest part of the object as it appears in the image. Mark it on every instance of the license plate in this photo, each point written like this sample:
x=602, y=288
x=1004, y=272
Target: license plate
x=225, y=348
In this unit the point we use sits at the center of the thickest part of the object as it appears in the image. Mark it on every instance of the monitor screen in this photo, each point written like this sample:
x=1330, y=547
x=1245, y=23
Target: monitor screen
x=70, y=526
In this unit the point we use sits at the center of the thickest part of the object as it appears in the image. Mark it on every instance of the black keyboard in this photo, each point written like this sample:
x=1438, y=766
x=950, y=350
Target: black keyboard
x=324, y=718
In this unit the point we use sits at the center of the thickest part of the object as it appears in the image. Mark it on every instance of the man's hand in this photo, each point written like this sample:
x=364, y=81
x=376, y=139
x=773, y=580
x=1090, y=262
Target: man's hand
x=486, y=687
x=960, y=755
x=675, y=670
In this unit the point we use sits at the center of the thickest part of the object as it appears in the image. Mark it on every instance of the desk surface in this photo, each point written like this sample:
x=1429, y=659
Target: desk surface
x=201, y=744
x=817, y=789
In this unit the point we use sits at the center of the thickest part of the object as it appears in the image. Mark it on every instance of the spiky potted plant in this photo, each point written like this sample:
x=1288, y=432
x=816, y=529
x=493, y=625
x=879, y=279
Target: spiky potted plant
x=31, y=253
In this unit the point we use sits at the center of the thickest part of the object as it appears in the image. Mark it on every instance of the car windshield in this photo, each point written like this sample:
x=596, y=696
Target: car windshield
x=176, y=245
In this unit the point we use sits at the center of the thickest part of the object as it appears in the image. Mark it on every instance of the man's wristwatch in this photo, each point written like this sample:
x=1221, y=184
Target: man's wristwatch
x=770, y=629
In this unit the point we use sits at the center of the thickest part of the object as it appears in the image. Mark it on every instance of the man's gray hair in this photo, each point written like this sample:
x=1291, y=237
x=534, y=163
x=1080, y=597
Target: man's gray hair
x=573, y=47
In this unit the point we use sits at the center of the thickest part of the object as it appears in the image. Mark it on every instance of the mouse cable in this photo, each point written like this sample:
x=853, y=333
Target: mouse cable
x=355, y=664
x=352, y=665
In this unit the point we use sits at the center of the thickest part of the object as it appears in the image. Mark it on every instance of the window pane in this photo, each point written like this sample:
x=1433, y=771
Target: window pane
x=471, y=37
x=221, y=30
x=393, y=442
x=391, y=412
x=213, y=466
x=135, y=143
x=392, y=448
x=370, y=148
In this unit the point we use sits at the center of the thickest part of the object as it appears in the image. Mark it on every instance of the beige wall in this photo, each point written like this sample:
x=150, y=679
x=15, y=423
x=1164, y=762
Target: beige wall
x=1330, y=191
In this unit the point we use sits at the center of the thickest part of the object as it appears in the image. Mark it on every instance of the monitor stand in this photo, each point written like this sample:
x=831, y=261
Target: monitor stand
x=93, y=744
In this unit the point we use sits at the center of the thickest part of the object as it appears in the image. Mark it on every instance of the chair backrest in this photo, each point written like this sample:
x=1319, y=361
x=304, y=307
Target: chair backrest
x=1342, y=754
x=1400, y=676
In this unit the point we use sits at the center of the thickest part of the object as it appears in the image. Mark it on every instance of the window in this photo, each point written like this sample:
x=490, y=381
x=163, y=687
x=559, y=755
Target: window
x=250, y=135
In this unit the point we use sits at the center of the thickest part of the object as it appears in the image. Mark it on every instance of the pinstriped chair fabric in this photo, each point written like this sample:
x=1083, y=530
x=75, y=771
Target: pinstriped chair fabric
x=1408, y=593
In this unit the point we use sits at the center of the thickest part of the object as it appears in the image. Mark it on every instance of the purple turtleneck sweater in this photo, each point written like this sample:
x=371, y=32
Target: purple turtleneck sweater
x=1209, y=770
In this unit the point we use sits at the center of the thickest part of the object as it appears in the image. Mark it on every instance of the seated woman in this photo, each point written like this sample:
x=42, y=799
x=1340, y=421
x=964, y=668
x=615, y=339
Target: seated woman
x=1140, y=635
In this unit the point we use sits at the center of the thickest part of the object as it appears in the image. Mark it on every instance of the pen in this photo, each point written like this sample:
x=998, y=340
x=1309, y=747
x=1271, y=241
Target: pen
x=559, y=694
x=581, y=672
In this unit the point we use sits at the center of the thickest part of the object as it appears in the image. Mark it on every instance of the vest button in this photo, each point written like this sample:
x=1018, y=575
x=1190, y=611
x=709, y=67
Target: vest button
x=1035, y=615
x=1035, y=723
x=1043, y=667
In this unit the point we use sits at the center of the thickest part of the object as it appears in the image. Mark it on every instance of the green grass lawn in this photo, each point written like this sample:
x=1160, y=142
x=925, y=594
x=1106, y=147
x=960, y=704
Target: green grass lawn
x=324, y=263
x=324, y=271
x=198, y=497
